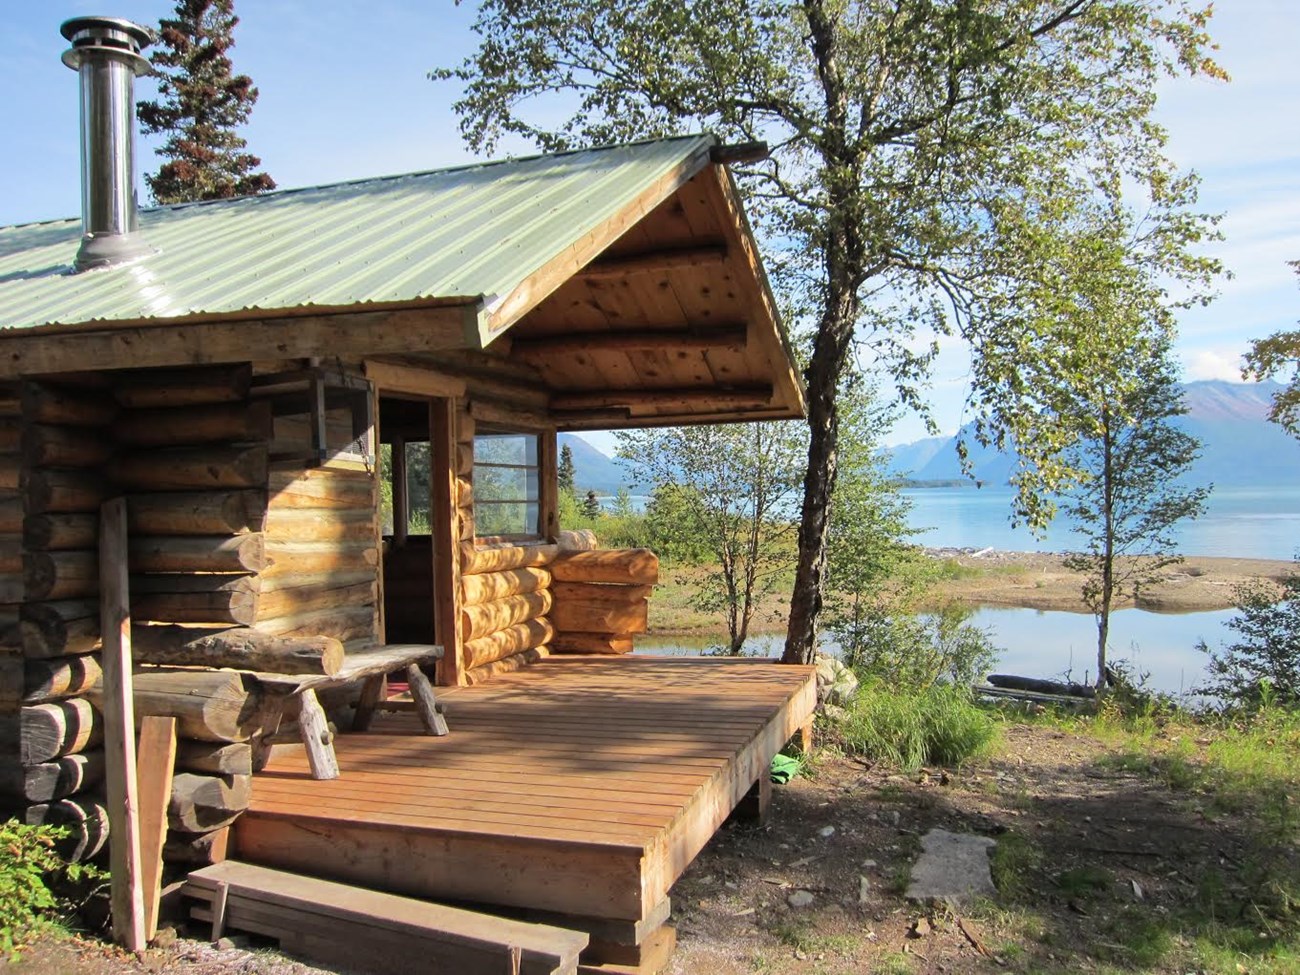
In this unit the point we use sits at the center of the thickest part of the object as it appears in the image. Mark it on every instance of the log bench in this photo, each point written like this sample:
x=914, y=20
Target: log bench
x=373, y=665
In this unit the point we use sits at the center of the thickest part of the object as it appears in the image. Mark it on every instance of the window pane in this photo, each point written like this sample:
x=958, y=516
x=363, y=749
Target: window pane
x=507, y=484
x=518, y=449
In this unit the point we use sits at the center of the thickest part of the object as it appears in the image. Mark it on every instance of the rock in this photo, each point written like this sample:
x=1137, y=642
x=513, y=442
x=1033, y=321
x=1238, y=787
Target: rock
x=833, y=714
x=800, y=899
x=952, y=868
x=864, y=889
x=836, y=683
x=826, y=832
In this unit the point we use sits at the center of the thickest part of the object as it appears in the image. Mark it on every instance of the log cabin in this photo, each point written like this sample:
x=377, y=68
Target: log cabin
x=259, y=379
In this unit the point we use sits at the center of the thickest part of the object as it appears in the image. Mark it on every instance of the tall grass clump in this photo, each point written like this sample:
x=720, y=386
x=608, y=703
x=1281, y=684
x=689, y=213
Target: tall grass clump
x=936, y=725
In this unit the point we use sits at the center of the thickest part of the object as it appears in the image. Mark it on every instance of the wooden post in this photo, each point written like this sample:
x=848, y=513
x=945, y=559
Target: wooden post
x=401, y=498
x=446, y=539
x=157, y=763
x=118, y=705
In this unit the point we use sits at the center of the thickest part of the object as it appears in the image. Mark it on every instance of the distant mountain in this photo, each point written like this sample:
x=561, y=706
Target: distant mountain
x=594, y=470
x=1240, y=447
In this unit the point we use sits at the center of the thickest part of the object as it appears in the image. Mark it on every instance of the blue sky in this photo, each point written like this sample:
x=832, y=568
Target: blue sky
x=344, y=94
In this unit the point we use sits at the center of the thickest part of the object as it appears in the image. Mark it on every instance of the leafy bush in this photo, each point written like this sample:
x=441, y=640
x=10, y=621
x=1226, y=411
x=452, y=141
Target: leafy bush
x=30, y=872
x=939, y=725
x=1263, y=668
x=916, y=651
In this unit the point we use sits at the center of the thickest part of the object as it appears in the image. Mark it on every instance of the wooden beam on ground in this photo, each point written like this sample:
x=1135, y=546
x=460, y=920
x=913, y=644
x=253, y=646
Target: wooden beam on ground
x=157, y=763
x=705, y=396
x=731, y=337
x=653, y=262
x=118, y=706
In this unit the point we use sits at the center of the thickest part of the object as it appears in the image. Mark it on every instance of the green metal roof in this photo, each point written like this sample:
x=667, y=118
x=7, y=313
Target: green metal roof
x=473, y=232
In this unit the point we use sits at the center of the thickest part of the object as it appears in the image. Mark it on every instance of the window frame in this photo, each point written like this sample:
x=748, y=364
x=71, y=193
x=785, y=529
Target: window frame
x=538, y=534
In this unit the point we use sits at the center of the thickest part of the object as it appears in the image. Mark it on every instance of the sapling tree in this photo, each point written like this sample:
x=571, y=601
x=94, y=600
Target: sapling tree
x=1277, y=354
x=566, y=472
x=1264, y=664
x=928, y=159
x=201, y=104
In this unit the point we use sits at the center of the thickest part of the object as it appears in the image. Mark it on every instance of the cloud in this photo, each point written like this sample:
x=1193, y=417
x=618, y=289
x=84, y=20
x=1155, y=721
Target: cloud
x=1213, y=362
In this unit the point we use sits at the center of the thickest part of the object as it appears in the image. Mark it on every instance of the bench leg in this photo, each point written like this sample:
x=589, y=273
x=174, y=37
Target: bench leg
x=316, y=736
x=425, y=702
x=373, y=692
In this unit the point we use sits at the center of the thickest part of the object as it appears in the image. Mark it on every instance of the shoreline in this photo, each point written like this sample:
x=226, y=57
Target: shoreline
x=993, y=578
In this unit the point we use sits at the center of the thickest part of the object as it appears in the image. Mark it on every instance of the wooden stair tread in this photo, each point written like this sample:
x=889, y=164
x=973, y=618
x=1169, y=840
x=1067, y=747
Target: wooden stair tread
x=267, y=892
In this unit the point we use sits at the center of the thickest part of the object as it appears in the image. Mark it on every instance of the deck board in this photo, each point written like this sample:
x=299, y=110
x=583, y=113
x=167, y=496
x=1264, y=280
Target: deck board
x=581, y=785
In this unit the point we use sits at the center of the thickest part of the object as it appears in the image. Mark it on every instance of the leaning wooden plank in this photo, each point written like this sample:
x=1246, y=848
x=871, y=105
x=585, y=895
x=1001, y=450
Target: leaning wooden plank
x=85, y=817
x=55, y=629
x=432, y=924
x=59, y=677
x=151, y=388
x=244, y=648
x=54, y=779
x=198, y=468
x=198, y=553
x=208, y=423
x=485, y=618
x=197, y=512
x=631, y=566
x=117, y=701
x=208, y=705
x=474, y=560
x=157, y=760
x=201, y=803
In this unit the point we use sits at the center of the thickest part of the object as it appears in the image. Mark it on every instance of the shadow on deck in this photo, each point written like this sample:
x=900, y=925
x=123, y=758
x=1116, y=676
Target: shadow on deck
x=581, y=786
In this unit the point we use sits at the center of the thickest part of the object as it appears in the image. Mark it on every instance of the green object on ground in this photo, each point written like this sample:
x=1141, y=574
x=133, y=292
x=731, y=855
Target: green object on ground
x=785, y=768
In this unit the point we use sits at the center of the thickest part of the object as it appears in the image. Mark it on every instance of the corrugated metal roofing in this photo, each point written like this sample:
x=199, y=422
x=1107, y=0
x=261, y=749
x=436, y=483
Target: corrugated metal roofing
x=469, y=231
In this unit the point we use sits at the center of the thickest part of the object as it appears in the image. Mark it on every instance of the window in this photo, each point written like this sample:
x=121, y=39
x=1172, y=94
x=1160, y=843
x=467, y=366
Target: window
x=507, y=485
x=320, y=419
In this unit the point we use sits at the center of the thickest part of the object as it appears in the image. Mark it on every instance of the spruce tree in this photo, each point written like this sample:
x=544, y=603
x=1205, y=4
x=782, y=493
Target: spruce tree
x=201, y=103
x=567, y=472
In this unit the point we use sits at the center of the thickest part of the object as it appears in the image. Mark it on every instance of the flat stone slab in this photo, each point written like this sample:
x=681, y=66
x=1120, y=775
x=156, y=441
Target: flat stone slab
x=953, y=867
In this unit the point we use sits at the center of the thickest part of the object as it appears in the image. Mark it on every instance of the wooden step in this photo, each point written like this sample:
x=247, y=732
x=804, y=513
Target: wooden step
x=372, y=931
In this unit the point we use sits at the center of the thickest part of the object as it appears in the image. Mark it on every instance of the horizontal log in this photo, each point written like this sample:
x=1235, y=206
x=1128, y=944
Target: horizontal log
x=159, y=388
x=61, y=532
x=197, y=468
x=304, y=557
x=713, y=396
x=464, y=492
x=11, y=468
x=214, y=758
x=573, y=616
x=607, y=643
x=465, y=523
x=669, y=341
x=239, y=422
x=11, y=405
x=11, y=514
x=317, y=525
x=48, y=731
x=626, y=566
x=196, y=850
x=465, y=459
x=395, y=377
x=478, y=621
x=11, y=555
x=202, y=803
x=57, y=629
x=600, y=593
x=173, y=582
x=60, y=575
x=62, y=491
x=196, y=513
x=477, y=675
x=487, y=586
x=242, y=648
x=11, y=434
x=321, y=488
x=207, y=705
x=577, y=540
x=61, y=446
x=59, y=677
x=85, y=818
x=44, y=403
x=345, y=623
x=54, y=779
x=12, y=680
x=198, y=553
x=474, y=560
x=508, y=642
x=11, y=589
x=219, y=606
x=309, y=599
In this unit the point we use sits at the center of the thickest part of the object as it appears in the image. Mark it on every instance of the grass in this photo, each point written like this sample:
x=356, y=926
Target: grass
x=910, y=729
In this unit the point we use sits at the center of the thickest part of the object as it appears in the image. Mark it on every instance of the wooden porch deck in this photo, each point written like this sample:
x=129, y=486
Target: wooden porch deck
x=582, y=786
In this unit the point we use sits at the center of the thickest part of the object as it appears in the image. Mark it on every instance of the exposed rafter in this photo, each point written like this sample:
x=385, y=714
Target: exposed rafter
x=702, y=338
x=713, y=396
x=655, y=262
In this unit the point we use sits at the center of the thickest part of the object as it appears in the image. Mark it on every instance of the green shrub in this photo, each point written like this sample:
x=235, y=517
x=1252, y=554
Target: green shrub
x=939, y=725
x=30, y=872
